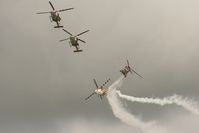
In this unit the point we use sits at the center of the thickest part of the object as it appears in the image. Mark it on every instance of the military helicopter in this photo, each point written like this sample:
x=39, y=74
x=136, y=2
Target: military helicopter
x=54, y=15
x=99, y=91
x=73, y=40
x=128, y=69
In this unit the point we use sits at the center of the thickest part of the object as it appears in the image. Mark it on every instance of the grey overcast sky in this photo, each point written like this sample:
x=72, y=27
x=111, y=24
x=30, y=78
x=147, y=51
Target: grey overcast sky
x=43, y=83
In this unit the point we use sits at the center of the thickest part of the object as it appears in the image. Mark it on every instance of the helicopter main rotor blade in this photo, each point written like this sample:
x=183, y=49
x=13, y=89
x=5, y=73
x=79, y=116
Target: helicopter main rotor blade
x=82, y=33
x=43, y=12
x=100, y=97
x=64, y=40
x=51, y=5
x=65, y=9
x=67, y=32
x=95, y=83
x=128, y=66
x=128, y=63
x=136, y=73
x=81, y=40
x=89, y=96
x=106, y=82
x=130, y=70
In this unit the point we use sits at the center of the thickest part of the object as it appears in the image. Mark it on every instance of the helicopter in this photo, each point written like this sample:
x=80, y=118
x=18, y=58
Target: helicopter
x=128, y=69
x=99, y=91
x=54, y=15
x=73, y=40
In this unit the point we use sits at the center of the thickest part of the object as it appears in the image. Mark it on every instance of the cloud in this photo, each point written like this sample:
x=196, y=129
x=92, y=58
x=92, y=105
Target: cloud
x=42, y=79
x=93, y=126
x=182, y=123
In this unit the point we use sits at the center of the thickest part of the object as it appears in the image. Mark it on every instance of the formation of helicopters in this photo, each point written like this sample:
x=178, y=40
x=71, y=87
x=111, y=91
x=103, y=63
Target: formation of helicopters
x=101, y=91
x=54, y=16
x=74, y=41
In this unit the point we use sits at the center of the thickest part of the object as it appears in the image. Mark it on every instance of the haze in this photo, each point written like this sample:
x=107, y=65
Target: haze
x=43, y=83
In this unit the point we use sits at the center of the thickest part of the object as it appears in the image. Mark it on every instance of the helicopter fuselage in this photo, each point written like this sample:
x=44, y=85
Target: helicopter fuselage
x=101, y=91
x=125, y=71
x=73, y=41
x=55, y=16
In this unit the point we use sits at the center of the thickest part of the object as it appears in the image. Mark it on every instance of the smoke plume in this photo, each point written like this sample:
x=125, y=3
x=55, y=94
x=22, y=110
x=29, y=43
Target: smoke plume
x=121, y=113
x=186, y=103
x=146, y=127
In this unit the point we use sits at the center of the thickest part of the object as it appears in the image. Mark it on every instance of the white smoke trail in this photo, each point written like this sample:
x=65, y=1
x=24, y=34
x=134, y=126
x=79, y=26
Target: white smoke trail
x=186, y=103
x=120, y=112
x=128, y=118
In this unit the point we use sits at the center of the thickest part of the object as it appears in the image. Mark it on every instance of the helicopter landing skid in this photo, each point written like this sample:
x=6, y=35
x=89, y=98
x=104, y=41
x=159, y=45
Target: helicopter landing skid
x=78, y=50
x=58, y=26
